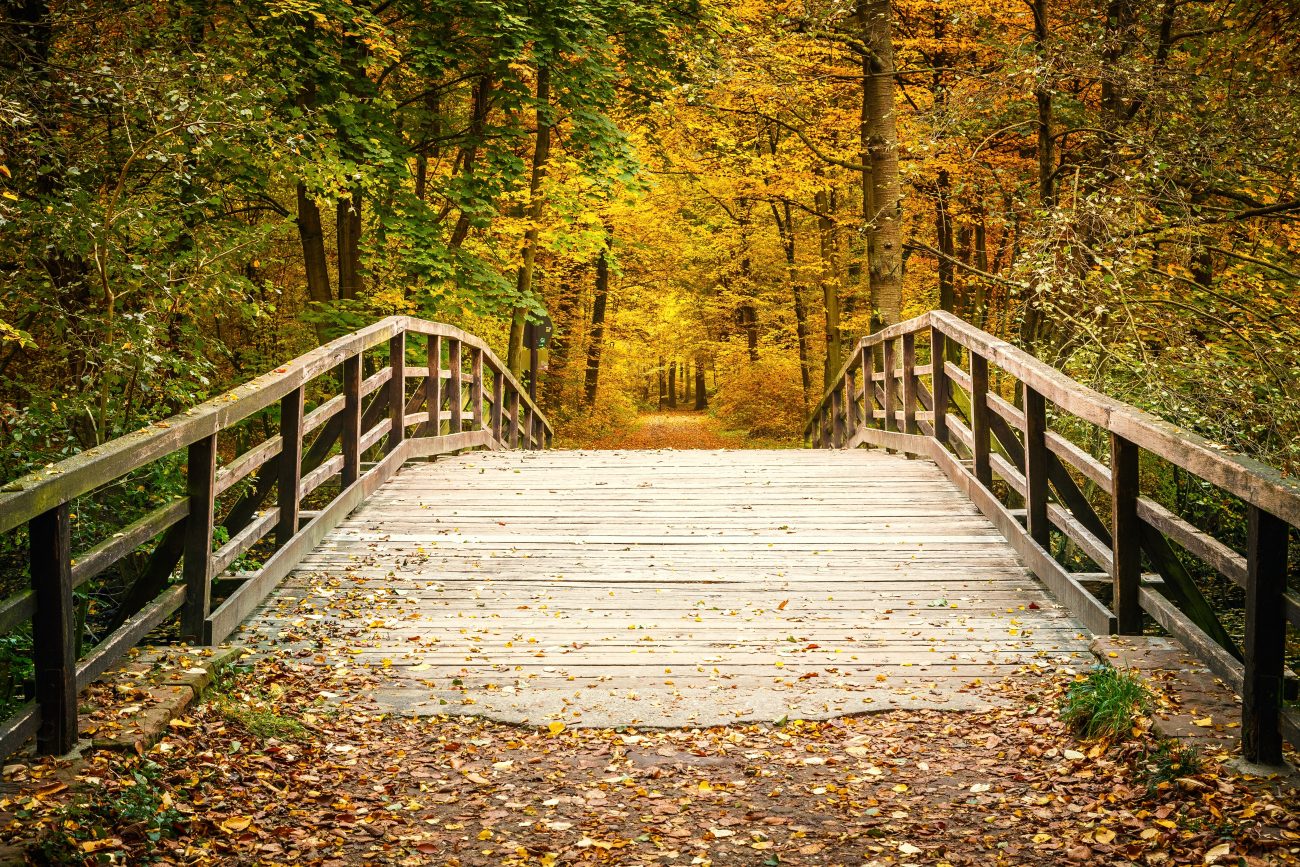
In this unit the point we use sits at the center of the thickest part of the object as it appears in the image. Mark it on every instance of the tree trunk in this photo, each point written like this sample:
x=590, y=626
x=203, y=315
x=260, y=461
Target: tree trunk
x=348, y=226
x=663, y=387
x=830, y=287
x=701, y=395
x=687, y=383
x=524, y=281
x=785, y=228
x=884, y=231
x=312, y=236
x=482, y=102
x=672, y=385
x=594, y=347
x=943, y=234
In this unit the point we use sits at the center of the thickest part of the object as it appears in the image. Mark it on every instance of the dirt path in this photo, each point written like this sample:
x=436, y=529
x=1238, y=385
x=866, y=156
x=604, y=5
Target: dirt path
x=673, y=430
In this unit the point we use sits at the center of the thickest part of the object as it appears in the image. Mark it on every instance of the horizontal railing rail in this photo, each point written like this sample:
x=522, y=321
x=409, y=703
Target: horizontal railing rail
x=462, y=398
x=1032, y=481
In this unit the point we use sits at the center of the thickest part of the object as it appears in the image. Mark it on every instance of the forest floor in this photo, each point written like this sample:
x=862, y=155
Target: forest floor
x=293, y=764
x=679, y=429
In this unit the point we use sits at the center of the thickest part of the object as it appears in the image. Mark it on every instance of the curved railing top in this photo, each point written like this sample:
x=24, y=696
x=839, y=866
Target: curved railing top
x=39, y=491
x=1253, y=481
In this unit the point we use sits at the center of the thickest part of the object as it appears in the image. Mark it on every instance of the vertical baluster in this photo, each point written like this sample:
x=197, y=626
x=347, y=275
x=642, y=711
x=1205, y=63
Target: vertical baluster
x=939, y=382
x=979, y=417
x=433, y=388
x=351, y=434
x=455, y=387
x=1036, y=467
x=837, y=418
x=909, y=383
x=54, y=642
x=512, y=418
x=397, y=391
x=891, y=423
x=498, y=398
x=1126, y=535
x=201, y=473
x=290, y=466
x=867, y=361
x=476, y=387
x=850, y=401
x=1261, y=694
x=528, y=426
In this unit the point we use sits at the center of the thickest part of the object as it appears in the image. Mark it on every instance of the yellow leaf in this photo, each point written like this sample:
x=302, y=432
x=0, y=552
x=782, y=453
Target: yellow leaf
x=1204, y=722
x=1103, y=835
x=235, y=824
x=556, y=727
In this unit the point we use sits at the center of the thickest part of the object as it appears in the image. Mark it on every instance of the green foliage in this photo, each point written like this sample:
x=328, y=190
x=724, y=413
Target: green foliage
x=1169, y=760
x=1105, y=704
x=138, y=812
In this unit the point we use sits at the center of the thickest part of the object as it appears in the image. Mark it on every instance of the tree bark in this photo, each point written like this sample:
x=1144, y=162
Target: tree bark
x=663, y=387
x=596, y=344
x=348, y=228
x=701, y=395
x=785, y=228
x=524, y=281
x=884, y=230
x=672, y=385
x=830, y=287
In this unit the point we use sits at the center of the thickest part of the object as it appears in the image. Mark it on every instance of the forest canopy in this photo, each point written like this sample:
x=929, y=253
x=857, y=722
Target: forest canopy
x=720, y=196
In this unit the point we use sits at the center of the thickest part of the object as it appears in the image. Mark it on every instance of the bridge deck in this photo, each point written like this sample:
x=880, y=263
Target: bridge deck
x=671, y=588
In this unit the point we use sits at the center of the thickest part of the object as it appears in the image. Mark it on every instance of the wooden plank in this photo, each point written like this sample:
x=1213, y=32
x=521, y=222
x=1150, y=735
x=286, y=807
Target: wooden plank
x=196, y=570
x=981, y=438
x=109, y=651
x=92, y=562
x=1265, y=644
x=20, y=726
x=290, y=467
x=890, y=394
x=1126, y=535
x=1092, y=469
x=909, y=383
x=244, y=465
x=455, y=388
x=243, y=540
x=323, y=413
x=498, y=403
x=476, y=387
x=54, y=640
x=1180, y=626
x=433, y=388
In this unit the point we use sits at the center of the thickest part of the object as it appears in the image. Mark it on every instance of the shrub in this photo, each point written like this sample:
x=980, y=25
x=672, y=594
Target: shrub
x=763, y=397
x=1105, y=704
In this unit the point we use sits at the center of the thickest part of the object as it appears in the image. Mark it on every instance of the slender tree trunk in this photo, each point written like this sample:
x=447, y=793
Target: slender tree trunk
x=884, y=231
x=663, y=387
x=672, y=385
x=785, y=228
x=688, y=383
x=943, y=233
x=830, y=287
x=701, y=394
x=312, y=236
x=596, y=344
x=348, y=226
x=524, y=281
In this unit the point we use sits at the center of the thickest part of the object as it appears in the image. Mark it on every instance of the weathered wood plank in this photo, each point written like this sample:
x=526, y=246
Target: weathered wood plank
x=54, y=643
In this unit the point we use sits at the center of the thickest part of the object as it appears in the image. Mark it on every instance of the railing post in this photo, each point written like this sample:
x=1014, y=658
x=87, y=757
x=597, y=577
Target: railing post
x=1265, y=647
x=512, y=418
x=476, y=386
x=291, y=406
x=201, y=472
x=455, y=387
x=1126, y=535
x=850, y=401
x=979, y=417
x=837, y=420
x=891, y=423
x=54, y=641
x=939, y=382
x=397, y=391
x=1036, y=467
x=498, y=398
x=528, y=426
x=433, y=388
x=909, y=383
x=350, y=437
x=867, y=361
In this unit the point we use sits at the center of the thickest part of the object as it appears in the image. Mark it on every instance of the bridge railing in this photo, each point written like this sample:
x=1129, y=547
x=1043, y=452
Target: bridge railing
x=350, y=413
x=993, y=418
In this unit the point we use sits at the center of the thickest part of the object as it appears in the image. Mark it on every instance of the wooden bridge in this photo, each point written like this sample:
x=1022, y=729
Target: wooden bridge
x=659, y=587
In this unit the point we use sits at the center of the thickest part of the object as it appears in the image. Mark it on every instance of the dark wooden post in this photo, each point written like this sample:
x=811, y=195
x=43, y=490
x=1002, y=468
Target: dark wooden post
x=867, y=361
x=196, y=571
x=529, y=426
x=1261, y=692
x=290, y=466
x=455, y=388
x=909, y=383
x=498, y=398
x=939, y=382
x=837, y=418
x=433, y=388
x=1036, y=467
x=396, y=391
x=54, y=640
x=476, y=386
x=850, y=401
x=351, y=434
x=891, y=423
x=1126, y=535
x=512, y=418
x=979, y=417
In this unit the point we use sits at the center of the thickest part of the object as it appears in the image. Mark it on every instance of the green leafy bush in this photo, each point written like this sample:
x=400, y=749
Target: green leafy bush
x=1105, y=704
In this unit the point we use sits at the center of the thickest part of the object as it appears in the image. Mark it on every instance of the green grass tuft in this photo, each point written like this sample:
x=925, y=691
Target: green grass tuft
x=1106, y=704
x=261, y=722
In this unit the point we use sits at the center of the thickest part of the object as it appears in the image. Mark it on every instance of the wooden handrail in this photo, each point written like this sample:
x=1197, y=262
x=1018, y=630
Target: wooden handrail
x=1003, y=451
x=472, y=417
